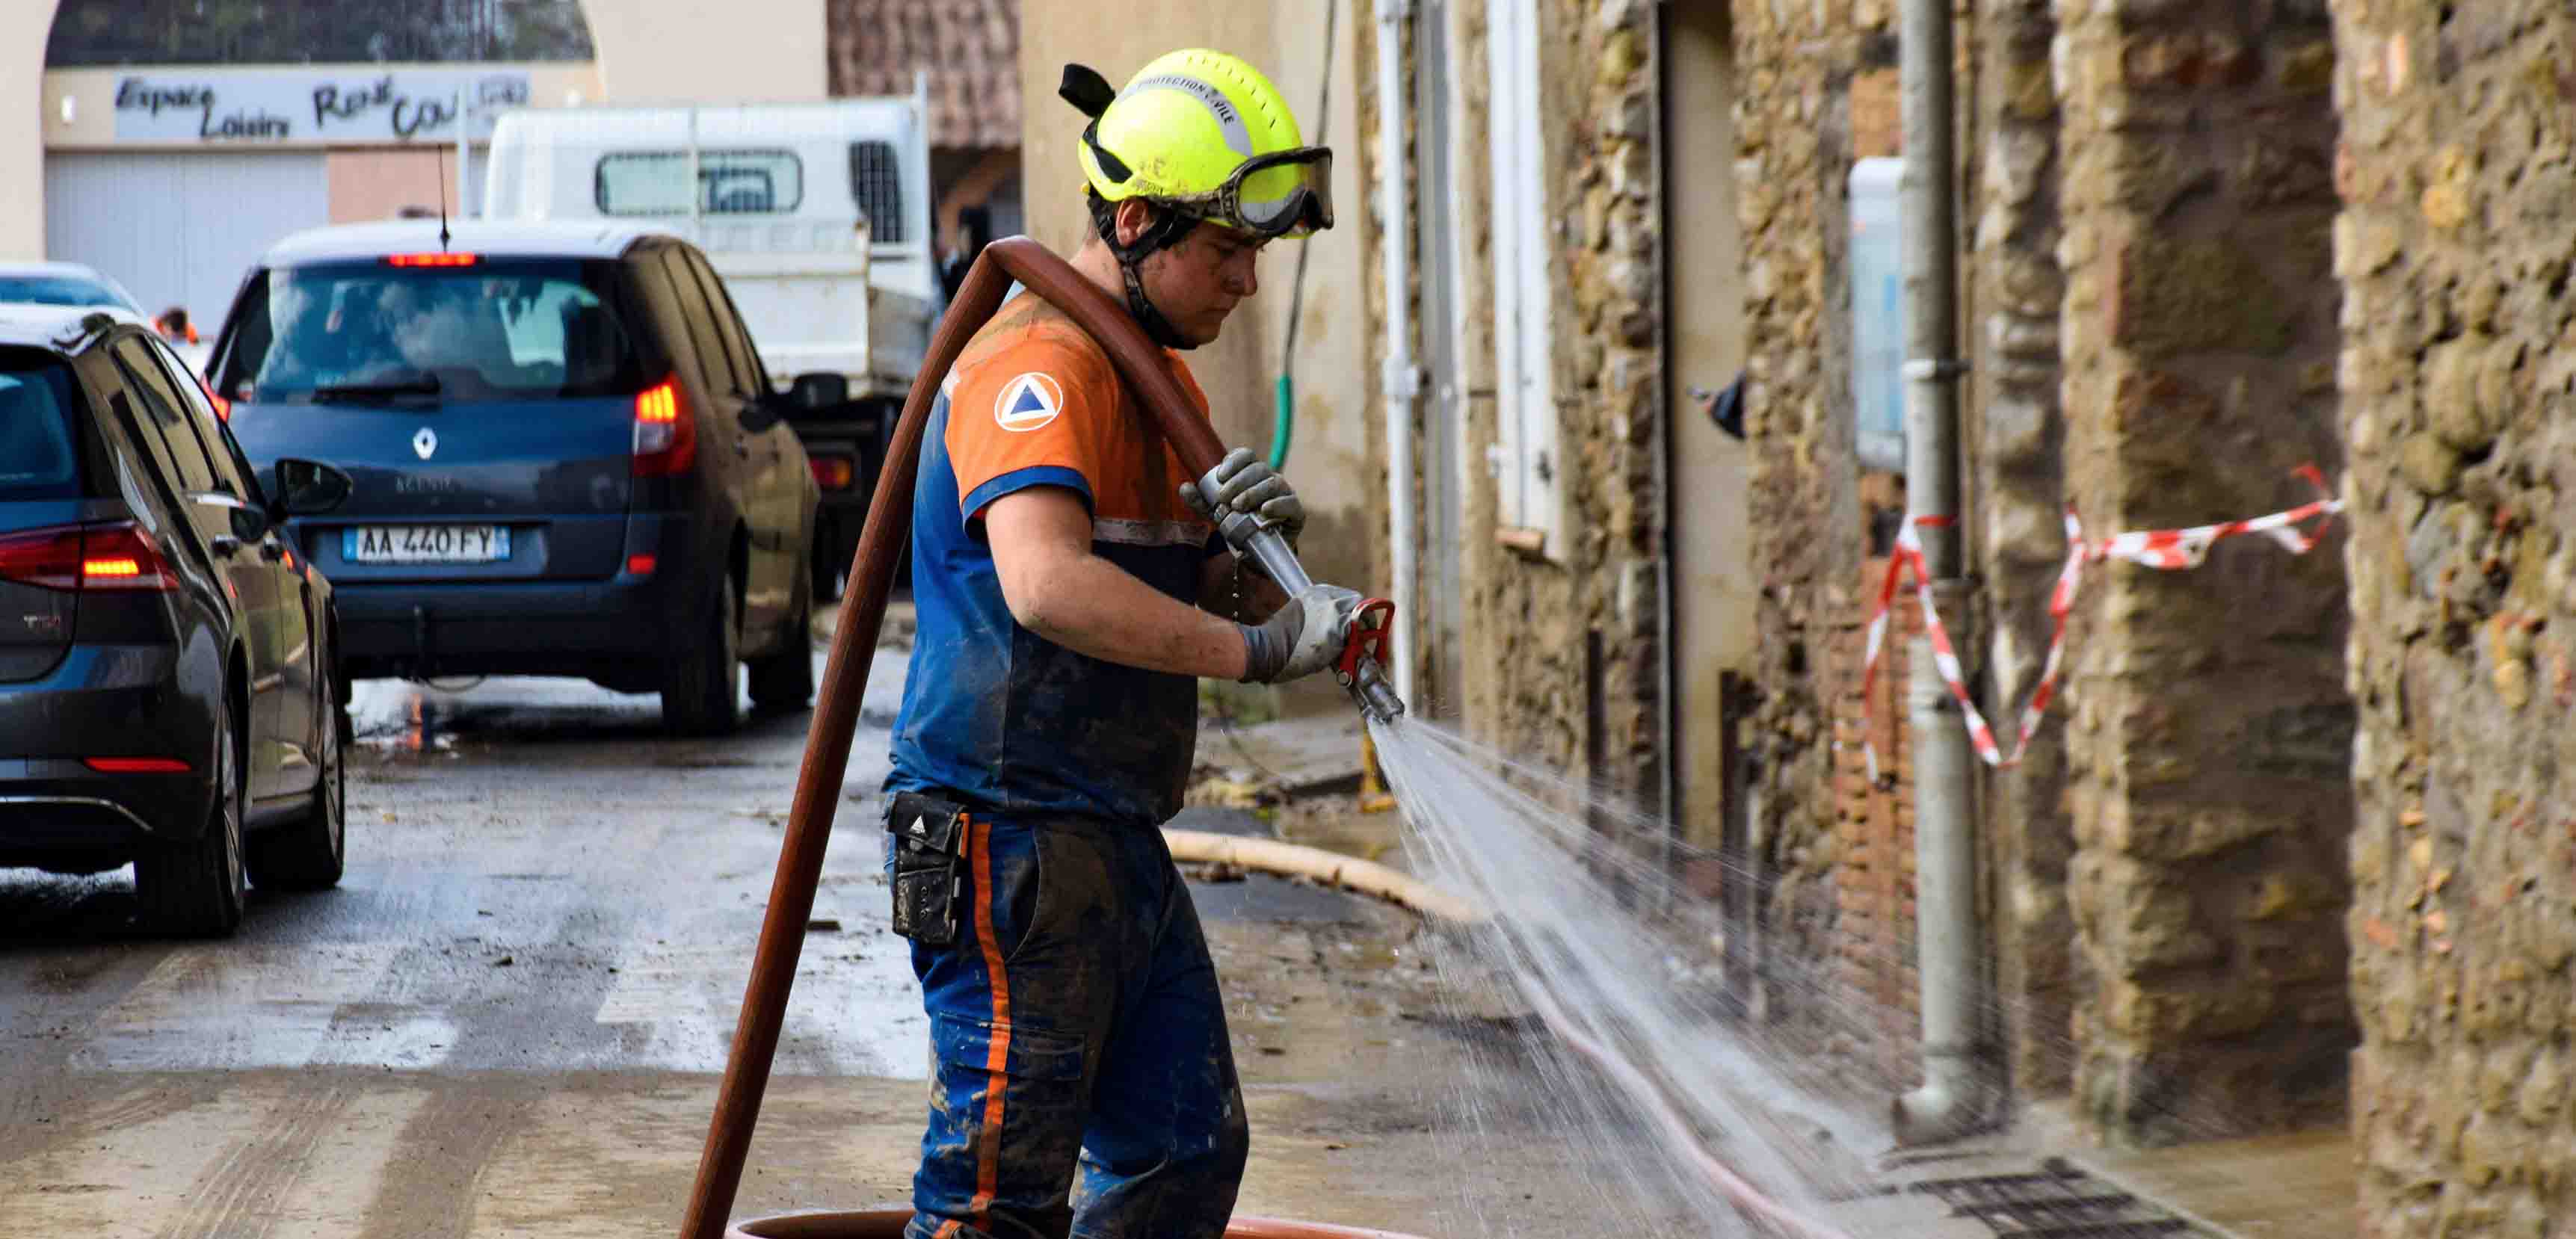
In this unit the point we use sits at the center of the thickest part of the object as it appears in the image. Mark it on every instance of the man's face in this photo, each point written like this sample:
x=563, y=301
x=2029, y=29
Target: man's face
x=1197, y=282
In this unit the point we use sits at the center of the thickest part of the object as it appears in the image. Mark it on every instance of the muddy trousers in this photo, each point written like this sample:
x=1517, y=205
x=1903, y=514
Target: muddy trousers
x=1081, y=1081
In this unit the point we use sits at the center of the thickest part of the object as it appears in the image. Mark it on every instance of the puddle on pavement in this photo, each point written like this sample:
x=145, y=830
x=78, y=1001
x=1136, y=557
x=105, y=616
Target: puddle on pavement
x=423, y=717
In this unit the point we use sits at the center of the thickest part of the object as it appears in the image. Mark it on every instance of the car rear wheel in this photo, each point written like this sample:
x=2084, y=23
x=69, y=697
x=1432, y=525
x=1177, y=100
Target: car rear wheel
x=310, y=853
x=197, y=887
x=785, y=680
x=702, y=697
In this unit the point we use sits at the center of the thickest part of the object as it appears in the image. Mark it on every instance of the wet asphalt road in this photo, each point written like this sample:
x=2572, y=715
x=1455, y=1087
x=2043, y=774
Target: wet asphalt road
x=539, y=879
x=510, y=1017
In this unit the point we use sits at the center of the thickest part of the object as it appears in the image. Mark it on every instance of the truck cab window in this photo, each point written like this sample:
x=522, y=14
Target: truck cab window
x=876, y=181
x=730, y=182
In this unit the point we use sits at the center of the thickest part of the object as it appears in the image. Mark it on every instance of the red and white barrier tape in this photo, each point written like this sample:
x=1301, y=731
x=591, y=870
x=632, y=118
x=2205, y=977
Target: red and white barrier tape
x=2167, y=549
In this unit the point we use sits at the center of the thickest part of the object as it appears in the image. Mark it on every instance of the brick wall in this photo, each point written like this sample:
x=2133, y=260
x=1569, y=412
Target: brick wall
x=1805, y=69
x=2209, y=733
x=2458, y=174
x=1873, y=875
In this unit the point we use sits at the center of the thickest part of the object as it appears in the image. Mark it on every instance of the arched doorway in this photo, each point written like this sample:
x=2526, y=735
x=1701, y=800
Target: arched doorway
x=234, y=32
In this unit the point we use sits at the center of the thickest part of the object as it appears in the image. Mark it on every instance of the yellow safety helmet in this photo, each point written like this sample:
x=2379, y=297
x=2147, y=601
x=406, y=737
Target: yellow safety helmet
x=1206, y=135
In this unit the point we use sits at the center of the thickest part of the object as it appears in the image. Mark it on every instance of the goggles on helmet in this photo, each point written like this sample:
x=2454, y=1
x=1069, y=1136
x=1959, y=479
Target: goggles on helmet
x=1285, y=194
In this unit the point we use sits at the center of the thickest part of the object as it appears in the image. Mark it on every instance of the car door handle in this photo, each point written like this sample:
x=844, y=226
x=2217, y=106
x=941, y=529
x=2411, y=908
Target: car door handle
x=224, y=544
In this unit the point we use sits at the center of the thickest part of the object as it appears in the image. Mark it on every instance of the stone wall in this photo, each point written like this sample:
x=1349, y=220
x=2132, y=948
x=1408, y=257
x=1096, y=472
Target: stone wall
x=1800, y=66
x=2458, y=174
x=2209, y=738
x=1577, y=627
x=2017, y=437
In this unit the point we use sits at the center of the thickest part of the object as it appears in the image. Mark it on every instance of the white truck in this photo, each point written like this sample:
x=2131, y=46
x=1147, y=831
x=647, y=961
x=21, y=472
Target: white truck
x=817, y=215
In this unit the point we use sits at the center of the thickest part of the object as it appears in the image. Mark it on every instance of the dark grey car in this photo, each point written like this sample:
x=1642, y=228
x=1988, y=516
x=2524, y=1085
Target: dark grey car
x=567, y=459
x=168, y=690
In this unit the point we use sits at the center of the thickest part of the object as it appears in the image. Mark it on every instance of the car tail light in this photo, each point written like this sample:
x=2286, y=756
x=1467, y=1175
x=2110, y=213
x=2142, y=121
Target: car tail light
x=441, y=259
x=136, y=765
x=833, y=472
x=122, y=556
x=71, y=557
x=666, y=440
x=639, y=565
x=50, y=558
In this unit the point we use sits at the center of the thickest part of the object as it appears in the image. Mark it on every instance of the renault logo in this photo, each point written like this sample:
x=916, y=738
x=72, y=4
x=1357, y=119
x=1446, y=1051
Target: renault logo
x=424, y=442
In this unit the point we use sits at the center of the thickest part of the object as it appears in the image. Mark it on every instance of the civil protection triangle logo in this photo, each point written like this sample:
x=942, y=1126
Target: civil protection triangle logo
x=1028, y=402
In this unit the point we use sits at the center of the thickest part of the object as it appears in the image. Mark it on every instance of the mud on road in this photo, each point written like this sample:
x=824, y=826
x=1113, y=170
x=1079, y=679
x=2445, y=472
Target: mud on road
x=509, y=1019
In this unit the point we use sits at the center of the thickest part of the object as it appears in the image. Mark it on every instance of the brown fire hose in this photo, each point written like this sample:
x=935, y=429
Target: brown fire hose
x=845, y=673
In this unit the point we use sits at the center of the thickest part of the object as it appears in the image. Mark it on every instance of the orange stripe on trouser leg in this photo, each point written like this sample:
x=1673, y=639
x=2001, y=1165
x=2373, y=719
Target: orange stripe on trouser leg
x=997, y=1055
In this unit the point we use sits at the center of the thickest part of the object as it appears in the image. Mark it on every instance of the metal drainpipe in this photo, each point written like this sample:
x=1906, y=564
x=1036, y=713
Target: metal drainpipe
x=1951, y=1101
x=1402, y=381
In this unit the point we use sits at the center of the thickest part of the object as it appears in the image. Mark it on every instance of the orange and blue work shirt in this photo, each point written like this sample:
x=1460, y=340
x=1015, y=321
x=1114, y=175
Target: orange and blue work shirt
x=993, y=713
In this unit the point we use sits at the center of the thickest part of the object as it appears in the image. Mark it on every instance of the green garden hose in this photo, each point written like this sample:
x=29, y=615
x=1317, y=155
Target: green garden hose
x=1283, y=419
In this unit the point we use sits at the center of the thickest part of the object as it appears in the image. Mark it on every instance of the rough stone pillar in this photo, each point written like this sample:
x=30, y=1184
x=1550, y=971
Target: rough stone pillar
x=2209, y=747
x=2458, y=173
x=2020, y=478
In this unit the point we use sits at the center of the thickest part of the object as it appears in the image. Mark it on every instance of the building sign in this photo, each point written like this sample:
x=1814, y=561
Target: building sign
x=325, y=107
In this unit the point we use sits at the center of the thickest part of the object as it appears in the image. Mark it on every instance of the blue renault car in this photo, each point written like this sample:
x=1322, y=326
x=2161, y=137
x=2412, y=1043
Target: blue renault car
x=566, y=459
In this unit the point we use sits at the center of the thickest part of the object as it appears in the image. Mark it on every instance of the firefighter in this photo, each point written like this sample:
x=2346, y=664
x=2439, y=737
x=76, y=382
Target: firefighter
x=1070, y=591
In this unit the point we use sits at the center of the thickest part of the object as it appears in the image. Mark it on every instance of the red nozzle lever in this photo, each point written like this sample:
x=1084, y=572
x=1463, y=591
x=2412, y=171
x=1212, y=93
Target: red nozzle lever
x=1362, y=666
x=1365, y=639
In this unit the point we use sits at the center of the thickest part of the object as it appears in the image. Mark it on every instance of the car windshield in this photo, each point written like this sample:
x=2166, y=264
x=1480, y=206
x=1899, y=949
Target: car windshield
x=37, y=458
x=57, y=290
x=374, y=332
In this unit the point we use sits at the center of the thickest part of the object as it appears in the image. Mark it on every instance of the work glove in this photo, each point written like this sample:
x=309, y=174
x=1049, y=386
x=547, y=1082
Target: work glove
x=1300, y=638
x=1245, y=484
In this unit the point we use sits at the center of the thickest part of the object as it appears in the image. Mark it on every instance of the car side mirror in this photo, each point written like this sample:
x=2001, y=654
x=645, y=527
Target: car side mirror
x=818, y=389
x=249, y=523
x=309, y=487
x=762, y=412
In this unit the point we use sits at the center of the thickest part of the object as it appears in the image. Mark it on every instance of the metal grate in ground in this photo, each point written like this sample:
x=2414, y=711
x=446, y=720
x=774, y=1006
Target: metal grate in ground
x=2058, y=1200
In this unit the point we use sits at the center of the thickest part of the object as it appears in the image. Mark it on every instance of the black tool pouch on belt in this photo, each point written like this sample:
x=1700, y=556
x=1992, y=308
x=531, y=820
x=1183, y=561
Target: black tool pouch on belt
x=929, y=867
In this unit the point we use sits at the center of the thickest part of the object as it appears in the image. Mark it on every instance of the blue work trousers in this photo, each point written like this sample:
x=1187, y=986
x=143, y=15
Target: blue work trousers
x=1081, y=1084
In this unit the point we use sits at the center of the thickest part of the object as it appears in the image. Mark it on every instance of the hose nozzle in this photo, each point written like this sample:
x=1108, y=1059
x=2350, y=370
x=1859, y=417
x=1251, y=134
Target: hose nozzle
x=1375, y=696
x=1361, y=666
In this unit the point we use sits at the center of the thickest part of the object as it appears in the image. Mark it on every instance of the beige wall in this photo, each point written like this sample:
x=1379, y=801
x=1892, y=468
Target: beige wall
x=1333, y=461
x=707, y=50
x=24, y=26
x=1712, y=569
x=374, y=183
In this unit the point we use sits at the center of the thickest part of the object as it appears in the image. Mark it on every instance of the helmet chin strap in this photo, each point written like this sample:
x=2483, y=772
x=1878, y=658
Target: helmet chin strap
x=1166, y=230
x=1148, y=315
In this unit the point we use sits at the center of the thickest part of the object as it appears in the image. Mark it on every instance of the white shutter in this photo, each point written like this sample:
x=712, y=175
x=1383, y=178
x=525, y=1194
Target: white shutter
x=180, y=227
x=1528, y=462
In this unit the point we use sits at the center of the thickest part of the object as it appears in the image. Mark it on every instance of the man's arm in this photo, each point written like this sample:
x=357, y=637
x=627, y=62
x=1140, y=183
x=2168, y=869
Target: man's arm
x=1247, y=595
x=1058, y=589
